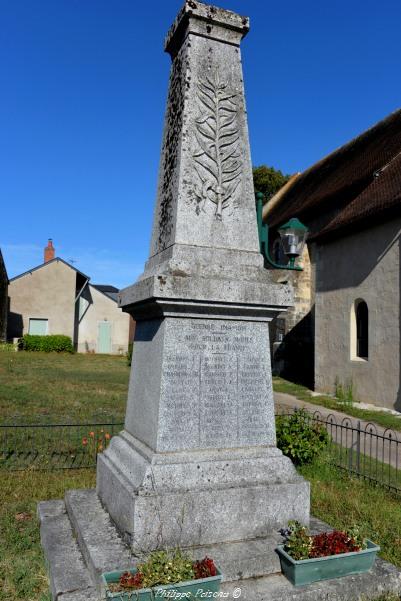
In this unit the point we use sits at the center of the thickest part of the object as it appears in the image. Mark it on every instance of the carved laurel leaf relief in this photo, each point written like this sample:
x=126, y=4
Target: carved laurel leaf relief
x=217, y=157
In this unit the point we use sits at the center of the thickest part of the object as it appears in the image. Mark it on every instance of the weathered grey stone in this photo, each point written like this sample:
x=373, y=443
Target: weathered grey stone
x=205, y=194
x=382, y=578
x=206, y=296
x=50, y=509
x=89, y=595
x=201, y=497
x=244, y=564
x=100, y=544
x=67, y=570
x=243, y=560
x=211, y=375
x=198, y=451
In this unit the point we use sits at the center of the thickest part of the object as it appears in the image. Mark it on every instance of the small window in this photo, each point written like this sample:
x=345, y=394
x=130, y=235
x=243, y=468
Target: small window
x=38, y=326
x=362, y=330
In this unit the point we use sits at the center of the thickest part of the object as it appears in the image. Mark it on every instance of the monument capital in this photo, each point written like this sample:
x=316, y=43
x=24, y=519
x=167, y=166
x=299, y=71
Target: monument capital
x=206, y=21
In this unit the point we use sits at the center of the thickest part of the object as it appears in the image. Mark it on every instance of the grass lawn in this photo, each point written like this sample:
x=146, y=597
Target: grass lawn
x=57, y=388
x=343, y=500
x=336, y=498
x=22, y=570
x=304, y=394
x=36, y=387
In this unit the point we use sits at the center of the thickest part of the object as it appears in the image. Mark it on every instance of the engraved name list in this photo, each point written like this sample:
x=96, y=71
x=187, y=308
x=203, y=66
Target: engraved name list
x=219, y=376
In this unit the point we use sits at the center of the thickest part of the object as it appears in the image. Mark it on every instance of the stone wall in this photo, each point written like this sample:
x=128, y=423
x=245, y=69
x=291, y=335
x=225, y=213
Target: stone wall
x=364, y=265
x=3, y=300
x=292, y=332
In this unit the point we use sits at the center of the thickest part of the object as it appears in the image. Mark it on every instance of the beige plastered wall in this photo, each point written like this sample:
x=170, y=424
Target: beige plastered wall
x=46, y=293
x=302, y=288
x=100, y=309
x=364, y=265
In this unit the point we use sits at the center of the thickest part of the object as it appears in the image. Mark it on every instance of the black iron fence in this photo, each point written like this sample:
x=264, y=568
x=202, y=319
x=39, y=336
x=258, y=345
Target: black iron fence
x=362, y=448
x=53, y=446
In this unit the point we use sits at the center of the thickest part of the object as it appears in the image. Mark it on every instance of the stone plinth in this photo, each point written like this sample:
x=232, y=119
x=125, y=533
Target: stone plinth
x=197, y=462
x=80, y=543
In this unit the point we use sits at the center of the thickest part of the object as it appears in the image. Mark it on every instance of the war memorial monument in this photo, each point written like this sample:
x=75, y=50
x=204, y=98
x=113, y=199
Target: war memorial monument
x=196, y=464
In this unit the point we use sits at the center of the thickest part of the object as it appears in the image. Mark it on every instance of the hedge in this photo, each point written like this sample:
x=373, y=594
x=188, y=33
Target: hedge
x=57, y=343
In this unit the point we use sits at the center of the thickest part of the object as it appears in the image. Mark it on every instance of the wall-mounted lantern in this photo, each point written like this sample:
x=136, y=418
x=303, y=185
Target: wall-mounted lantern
x=293, y=236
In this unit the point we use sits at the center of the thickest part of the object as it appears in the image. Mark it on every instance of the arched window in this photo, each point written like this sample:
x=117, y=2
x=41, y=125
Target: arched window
x=359, y=330
x=362, y=329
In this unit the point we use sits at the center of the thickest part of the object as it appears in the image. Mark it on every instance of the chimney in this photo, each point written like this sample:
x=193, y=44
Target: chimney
x=49, y=251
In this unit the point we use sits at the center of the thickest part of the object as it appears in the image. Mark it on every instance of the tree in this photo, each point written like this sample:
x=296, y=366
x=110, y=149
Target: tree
x=268, y=180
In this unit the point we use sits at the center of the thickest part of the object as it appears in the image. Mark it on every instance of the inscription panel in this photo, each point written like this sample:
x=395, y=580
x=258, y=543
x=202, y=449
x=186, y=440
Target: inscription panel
x=216, y=385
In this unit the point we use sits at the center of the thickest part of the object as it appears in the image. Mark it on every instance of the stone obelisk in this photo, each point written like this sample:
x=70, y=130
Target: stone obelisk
x=197, y=462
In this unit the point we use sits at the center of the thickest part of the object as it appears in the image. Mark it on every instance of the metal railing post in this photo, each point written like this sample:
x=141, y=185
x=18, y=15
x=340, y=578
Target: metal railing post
x=358, y=447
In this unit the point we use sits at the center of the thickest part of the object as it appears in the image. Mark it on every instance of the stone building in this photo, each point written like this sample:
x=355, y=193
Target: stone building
x=3, y=299
x=56, y=298
x=349, y=294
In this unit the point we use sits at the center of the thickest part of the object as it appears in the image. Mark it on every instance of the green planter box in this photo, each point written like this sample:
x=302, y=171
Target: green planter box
x=191, y=589
x=306, y=571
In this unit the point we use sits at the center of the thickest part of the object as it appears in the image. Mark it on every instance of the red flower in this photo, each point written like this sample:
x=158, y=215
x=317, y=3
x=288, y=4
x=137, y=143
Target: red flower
x=128, y=580
x=332, y=543
x=204, y=568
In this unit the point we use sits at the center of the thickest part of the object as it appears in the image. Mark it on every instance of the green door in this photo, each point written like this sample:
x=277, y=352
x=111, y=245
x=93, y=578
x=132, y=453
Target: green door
x=104, y=337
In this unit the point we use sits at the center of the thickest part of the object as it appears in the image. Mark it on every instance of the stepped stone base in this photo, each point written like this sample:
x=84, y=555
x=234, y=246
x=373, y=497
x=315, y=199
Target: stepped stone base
x=199, y=497
x=80, y=542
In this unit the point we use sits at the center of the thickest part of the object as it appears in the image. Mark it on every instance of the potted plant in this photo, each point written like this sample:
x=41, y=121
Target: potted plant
x=165, y=574
x=305, y=558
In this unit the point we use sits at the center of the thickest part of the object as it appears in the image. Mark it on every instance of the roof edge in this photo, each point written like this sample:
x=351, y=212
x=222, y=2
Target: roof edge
x=56, y=259
x=104, y=293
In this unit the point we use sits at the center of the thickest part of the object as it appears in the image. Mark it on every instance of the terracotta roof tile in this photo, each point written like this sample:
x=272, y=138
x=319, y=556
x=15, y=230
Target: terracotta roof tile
x=355, y=182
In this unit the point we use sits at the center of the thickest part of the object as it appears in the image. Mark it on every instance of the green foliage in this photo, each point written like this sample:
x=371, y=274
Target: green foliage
x=299, y=438
x=354, y=532
x=129, y=353
x=344, y=392
x=268, y=180
x=166, y=567
x=6, y=347
x=57, y=343
x=299, y=542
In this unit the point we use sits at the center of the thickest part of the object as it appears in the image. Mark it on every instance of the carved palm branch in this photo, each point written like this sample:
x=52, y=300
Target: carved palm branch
x=218, y=160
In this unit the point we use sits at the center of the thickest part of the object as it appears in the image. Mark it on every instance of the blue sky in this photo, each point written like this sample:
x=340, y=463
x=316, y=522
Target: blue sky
x=83, y=87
